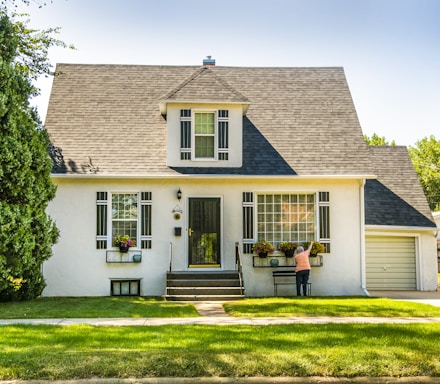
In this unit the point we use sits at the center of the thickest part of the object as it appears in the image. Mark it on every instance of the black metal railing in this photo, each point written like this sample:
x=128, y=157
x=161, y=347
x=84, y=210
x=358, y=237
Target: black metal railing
x=239, y=266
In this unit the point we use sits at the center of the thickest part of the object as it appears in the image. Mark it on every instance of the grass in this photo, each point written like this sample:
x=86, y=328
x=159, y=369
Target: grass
x=349, y=350
x=94, y=307
x=330, y=306
x=137, y=307
x=43, y=352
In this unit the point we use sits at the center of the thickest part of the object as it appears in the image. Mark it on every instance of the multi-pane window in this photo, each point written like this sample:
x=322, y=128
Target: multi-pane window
x=296, y=217
x=204, y=135
x=286, y=217
x=125, y=214
x=127, y=217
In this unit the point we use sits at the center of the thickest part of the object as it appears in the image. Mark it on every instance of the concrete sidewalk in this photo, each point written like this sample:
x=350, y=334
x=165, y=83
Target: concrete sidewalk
x=213, y=313
x=227, y=320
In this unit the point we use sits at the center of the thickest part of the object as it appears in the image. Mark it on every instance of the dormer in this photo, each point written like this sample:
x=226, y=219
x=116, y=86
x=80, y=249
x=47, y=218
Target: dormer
x=204, y=118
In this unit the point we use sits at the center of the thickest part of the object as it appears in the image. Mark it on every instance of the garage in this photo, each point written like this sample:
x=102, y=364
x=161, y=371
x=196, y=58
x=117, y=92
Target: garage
x=391, y=263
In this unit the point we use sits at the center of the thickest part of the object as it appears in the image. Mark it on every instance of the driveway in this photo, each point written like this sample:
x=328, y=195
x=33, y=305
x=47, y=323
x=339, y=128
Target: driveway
x=425, y=297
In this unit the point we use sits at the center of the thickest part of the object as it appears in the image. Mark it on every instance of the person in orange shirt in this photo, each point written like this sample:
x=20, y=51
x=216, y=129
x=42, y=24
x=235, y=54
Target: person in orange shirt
x=302, y=268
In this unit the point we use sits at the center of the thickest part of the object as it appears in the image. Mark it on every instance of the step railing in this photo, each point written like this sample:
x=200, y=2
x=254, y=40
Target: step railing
x=239, y=266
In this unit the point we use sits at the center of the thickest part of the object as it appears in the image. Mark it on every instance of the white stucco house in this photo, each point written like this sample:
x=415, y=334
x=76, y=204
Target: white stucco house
x=197, y=163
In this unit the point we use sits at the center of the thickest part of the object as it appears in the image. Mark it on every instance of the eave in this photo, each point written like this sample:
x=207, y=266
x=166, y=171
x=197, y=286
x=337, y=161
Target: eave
x=163, y=104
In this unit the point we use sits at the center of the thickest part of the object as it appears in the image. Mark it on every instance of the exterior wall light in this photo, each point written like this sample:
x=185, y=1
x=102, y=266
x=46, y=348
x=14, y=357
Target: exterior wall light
x=179, y=194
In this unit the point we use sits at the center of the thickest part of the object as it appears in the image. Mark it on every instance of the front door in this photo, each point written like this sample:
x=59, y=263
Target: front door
x=204, y=232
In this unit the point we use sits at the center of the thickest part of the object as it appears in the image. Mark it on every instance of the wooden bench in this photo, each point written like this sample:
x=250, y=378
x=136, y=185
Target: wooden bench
x=287, y=278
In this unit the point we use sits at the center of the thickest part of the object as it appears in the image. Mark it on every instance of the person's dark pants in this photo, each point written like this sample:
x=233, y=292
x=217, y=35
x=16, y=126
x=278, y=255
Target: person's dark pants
x=302, y=278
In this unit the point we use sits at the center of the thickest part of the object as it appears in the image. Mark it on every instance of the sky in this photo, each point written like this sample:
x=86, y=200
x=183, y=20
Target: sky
x=389, y=49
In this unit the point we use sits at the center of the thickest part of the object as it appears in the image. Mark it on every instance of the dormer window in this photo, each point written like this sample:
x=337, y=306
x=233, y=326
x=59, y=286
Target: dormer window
x=208, y=140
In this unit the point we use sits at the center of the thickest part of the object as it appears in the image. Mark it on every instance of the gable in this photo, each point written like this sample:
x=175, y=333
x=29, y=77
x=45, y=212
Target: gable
x=204, y=87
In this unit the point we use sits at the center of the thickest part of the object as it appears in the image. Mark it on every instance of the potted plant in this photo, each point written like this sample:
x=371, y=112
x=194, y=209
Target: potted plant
x=262, y=248
x=288, y=248
x=316, y=248
x=123, y=242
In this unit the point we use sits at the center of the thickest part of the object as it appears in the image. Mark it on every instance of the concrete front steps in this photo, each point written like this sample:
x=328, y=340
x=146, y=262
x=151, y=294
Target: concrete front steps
x=204, y=286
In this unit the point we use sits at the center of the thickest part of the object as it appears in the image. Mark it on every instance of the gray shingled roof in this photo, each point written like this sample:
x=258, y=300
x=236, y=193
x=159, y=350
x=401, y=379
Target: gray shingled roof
x=396, y=197
x=106, y=119
x=204, y=85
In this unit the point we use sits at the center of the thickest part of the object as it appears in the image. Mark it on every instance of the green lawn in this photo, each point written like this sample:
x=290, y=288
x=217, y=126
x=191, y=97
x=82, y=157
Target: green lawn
x=329, y=306
x=348, y=350
x=94, y=307
x=136, y=307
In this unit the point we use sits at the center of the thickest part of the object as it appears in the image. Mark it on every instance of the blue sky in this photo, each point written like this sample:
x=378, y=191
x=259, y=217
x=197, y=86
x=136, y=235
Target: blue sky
x=390, y=49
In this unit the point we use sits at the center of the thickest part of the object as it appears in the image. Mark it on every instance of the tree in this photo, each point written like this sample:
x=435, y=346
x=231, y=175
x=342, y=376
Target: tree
x=26, y=232
x=425, y=156
x=376, y=140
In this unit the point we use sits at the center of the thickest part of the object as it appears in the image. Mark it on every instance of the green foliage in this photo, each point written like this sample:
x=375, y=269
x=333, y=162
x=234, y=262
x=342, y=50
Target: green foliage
x=376, y=140
x=425, y=156
x=263, y=247
x=26, y=232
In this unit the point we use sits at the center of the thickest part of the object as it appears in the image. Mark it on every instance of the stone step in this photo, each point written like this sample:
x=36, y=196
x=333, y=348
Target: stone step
x=203, y=297
x=203, y=283
x=203, y=275
x=204, y=291
x=203, y=286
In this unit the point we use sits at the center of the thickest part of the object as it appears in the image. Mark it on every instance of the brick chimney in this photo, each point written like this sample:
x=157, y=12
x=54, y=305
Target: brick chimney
x=209, y=62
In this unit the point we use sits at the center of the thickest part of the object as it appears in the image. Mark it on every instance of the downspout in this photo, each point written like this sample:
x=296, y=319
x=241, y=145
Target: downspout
x=362, y=238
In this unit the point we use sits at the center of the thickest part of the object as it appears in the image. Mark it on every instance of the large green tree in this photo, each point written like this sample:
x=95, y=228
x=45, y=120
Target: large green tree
x=425, y=156
x=26, y=231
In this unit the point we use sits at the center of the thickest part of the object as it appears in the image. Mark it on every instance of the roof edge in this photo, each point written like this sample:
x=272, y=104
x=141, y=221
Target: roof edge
x=229, y=176
x=399, y=228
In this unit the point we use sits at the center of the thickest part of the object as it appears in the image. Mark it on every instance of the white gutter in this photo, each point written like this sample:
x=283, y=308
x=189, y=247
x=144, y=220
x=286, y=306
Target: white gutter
x=397, y=228
x=208, y=176
x=363, y=269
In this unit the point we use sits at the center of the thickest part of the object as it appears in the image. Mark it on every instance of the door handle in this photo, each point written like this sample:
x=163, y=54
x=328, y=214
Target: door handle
x=190, y=232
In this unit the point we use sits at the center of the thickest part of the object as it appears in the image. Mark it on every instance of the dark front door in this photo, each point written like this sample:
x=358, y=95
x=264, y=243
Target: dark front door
x=204, y=232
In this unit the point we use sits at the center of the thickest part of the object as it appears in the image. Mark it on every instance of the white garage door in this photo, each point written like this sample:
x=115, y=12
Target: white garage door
x=391, y=263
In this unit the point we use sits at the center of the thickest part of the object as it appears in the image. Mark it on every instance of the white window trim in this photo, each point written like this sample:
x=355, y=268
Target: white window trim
x=193, y=134
x=110, y=216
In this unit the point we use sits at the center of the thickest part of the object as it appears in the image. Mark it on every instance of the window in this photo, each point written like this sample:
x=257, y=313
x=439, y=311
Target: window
x=204, y=135
x=209, y=140
x=129, y=215
x=125, y=214
x=299, y=218
x=286, y=217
